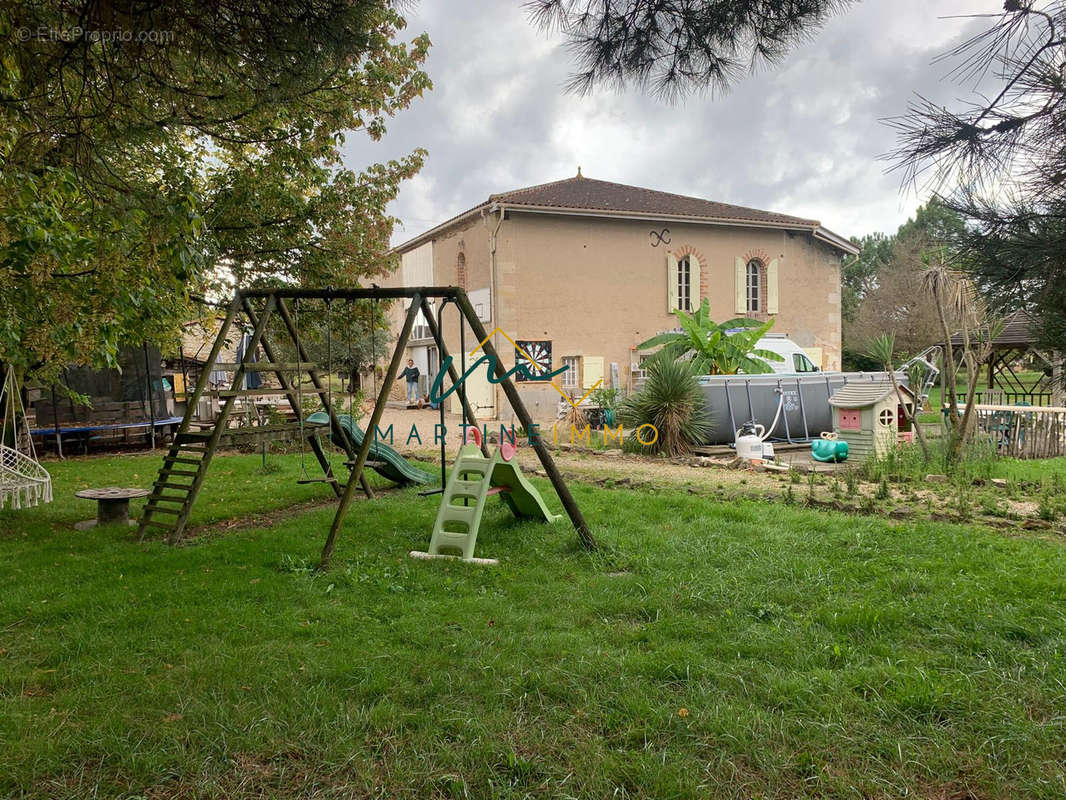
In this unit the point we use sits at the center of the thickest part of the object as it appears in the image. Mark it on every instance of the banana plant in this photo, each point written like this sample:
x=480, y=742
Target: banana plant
x=715, y=348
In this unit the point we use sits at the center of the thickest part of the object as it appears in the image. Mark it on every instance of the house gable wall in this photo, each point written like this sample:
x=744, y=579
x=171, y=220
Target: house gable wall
x=597, y=287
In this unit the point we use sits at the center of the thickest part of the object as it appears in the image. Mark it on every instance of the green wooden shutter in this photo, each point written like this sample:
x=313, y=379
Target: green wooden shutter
x=771, y=287
x=671, y=283
x=741, y=275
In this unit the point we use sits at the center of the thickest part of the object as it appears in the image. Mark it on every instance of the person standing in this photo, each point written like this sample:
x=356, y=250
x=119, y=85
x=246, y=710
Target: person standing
x=410, y=374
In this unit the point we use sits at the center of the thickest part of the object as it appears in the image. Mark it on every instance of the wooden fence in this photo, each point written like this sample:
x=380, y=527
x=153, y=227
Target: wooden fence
x=1023, y=431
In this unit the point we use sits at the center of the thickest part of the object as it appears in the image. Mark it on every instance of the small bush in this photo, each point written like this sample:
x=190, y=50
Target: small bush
x=906, y=462
x=607, y=398
x=673, y=403
x=1047, y=509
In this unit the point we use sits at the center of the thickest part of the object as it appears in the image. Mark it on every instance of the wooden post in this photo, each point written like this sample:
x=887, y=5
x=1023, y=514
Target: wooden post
x=371, y=430
x=1056, y=377
x=583, y=531
x=227, y=408
x=205, y=373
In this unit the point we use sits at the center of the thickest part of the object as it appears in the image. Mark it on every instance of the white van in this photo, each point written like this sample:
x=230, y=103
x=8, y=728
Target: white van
x=795, y=357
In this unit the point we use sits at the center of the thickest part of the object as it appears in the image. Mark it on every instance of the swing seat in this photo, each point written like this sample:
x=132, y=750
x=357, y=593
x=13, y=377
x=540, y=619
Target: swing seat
x=23, y=482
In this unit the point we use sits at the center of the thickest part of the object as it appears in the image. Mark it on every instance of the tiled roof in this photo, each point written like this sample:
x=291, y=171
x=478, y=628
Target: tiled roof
x=580, y=195
x=588, y=194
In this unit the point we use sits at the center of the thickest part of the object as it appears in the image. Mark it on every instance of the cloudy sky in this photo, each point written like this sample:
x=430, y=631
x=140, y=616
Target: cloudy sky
x=803, y=138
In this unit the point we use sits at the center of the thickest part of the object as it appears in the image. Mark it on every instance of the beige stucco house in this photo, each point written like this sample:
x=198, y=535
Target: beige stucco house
x=580, y=271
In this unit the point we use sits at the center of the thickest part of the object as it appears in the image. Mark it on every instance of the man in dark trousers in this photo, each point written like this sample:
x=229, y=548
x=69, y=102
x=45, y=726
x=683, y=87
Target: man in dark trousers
x=411, y=375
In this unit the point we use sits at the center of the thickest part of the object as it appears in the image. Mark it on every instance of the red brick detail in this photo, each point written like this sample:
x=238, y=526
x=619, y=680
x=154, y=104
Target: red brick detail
x=460, y=270
x=758, y=253
x=763, y=259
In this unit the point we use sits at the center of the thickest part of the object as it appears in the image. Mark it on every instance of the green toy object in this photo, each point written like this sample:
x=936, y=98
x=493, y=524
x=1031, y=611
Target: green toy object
x=472, y=481
x=829, y=450
x=382, y=458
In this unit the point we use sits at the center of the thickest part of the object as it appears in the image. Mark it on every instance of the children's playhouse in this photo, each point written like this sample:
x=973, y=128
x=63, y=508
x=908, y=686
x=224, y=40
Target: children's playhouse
x=870, y=416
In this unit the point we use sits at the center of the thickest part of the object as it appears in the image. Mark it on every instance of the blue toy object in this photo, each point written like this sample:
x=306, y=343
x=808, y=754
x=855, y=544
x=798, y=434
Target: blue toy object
x=829, y=450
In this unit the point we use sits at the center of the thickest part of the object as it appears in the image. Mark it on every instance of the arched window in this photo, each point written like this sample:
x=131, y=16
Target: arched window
x=684, y=284
x=754, y=286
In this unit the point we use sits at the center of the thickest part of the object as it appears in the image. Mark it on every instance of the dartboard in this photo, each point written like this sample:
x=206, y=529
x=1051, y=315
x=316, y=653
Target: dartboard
x=539, y=361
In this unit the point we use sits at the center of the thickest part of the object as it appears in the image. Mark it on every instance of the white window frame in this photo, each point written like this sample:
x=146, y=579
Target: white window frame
x=684, y=283
x=753, y=281
x=572, y=377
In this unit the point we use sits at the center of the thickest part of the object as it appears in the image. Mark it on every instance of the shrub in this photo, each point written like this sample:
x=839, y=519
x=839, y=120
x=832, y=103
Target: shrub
x=907, y=462
x=673, y=402
x=606, y=398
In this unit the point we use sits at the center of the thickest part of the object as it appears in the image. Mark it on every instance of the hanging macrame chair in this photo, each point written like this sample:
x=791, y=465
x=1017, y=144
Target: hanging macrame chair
x=23, y=481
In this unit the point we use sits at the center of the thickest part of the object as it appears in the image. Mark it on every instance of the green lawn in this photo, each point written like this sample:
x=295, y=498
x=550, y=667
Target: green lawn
x=709, y=650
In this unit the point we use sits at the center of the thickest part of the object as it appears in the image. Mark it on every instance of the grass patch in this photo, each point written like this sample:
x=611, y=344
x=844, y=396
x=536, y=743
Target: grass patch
x=707, y=650
x=979, y=462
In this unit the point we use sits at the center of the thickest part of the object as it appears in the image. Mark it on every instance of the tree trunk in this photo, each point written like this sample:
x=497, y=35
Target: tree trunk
x=911, y=415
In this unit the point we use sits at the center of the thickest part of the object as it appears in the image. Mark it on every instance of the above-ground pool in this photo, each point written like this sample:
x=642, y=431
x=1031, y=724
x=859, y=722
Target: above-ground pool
x=803, y=400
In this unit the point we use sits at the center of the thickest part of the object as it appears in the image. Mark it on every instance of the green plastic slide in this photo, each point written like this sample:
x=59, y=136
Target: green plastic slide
x=471, y=482
x=389, y=464
x=522, y=498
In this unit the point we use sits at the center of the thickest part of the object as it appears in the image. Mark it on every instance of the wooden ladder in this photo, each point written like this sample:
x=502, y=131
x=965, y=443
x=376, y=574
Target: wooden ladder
x=185, y=464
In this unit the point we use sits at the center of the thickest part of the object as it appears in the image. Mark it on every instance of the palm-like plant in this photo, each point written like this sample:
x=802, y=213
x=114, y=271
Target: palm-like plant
x=673, y=403
x=715, y=348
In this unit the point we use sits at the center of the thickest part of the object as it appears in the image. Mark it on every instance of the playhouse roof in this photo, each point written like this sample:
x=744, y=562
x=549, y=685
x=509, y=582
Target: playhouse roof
x=857, y=394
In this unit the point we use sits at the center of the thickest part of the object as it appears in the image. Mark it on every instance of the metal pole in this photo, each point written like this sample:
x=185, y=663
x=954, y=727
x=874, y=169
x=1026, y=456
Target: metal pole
x=368, y=437
x=151, y=404
x=468, y=412
x=55, y=421
x=583, y=532
x=441, y=350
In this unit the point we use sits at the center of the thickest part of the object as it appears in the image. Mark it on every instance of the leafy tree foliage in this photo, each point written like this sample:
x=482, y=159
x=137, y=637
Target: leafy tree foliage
x=349, y=337
x=892, y=300
x=858, y=276
x=155, y=151
x=712, y=348
x=1001, y=160
x=671, y=47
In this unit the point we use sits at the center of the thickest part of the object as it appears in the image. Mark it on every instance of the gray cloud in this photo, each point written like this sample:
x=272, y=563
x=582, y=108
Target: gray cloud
x=802, y=138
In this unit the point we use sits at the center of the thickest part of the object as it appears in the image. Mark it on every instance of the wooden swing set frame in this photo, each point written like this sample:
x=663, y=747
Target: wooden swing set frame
x=195, y=448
